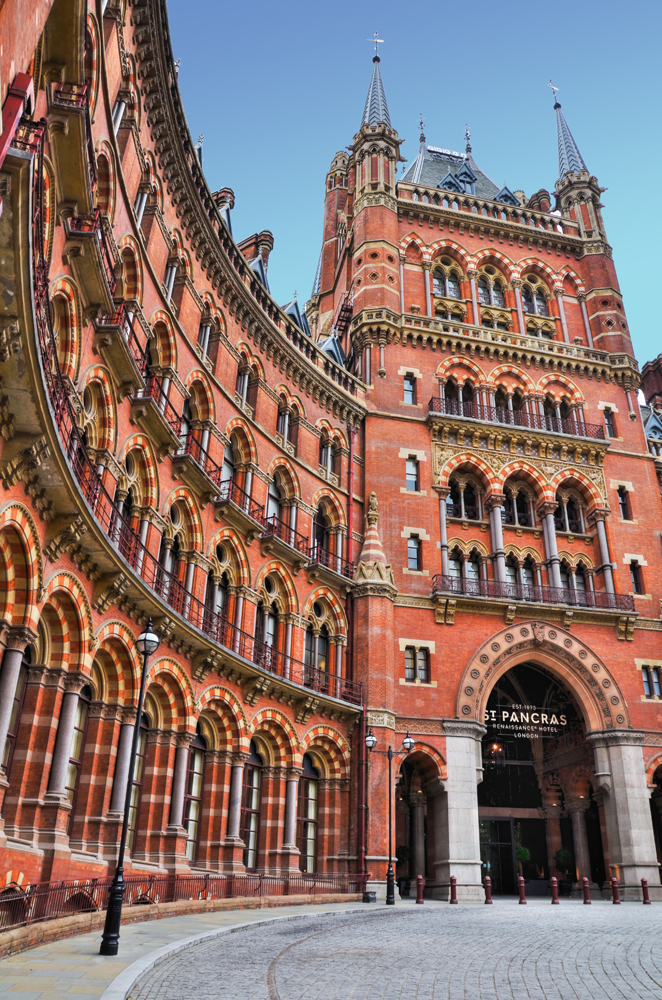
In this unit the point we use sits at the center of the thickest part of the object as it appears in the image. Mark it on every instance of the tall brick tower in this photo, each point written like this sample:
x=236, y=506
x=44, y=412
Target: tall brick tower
x=507, y=602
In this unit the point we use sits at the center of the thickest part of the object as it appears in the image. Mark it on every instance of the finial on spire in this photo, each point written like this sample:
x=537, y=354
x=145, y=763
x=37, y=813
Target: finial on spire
x=420, y=125
x=376, y=108
x=467, y=136
x=378, y=42
x=555, y=91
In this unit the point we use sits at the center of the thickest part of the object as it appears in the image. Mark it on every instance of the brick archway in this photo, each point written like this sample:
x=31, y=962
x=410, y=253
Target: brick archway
x=572, y=662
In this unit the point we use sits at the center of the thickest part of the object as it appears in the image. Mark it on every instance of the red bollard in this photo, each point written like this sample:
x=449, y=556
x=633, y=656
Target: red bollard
x=522, y=891
x=420, y=882
x=488, y=890
x=587, y=892
x=615, y=895
x=555, y=890
x=453, y=898
x=644, y=889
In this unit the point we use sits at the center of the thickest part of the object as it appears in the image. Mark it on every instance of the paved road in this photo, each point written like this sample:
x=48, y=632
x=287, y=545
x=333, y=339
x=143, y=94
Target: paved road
x=504, y=952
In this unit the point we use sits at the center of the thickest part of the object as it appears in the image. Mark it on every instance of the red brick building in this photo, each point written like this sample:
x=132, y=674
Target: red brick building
x=424, y=504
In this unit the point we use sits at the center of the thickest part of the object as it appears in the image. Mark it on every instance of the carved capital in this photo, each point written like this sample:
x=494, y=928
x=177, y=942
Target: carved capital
x=495, y=500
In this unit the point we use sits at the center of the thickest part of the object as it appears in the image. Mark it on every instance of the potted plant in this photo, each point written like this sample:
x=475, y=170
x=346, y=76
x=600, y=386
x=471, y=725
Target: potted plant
x=564, y=861
x=522, y=854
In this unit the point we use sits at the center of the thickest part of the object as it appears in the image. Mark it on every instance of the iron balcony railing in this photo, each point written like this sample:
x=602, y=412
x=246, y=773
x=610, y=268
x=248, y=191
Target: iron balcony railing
x=276, y=527
x=516, y=418
x=154, y=390
x=442, y=584
x=73, y=95
x=121, y=530
x=49, y=900
x=126, y=322
x=94, y=224
x=192, y=448
x=320, y=556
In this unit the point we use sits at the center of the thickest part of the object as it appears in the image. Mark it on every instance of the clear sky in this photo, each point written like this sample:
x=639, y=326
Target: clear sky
x=277, y=88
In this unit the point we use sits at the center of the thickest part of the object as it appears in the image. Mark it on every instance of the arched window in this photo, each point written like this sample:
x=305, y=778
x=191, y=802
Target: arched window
x=498, y=295
x=580, y=578
x=251, y=807
x=610, y=425
x=512, y=577
x=470, y=503
x=534, y=299
x=326, y=453
x=484, y=296
x=77, y=748
x=308, y=812
x=185, y=427
x=274, y=498
x=316, y=654
x=454, y=502
x=572, y=514
x=15, y=716
x=453, y=287
x=137, y=784
x=455, y=564
x=473, y=567
x=321, y=533
x=193, y=797
x=227, y=471
x=446, y=283
x=529, y=572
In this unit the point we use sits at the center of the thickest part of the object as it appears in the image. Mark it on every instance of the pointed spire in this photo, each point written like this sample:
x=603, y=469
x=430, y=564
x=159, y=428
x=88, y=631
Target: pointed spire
x=570, y=159
x=376, y=108
x=423, y=155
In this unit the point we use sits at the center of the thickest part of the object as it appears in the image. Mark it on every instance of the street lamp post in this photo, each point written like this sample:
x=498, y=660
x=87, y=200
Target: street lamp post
x=407, y=745
x=146, y=643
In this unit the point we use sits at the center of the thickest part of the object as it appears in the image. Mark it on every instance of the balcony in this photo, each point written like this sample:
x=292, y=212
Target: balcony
x=70, y=134
x=116, y=340
x=515, y=418
x=283, y=542
x=192, y=463
x=329, y=569
x=152, y=410
x=87, y=250
x=534, y=594
x=235, y=506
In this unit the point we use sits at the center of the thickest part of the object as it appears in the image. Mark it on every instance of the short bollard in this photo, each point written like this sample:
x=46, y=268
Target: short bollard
x=488, y=890
x=586, y=890
x=420, y=882
x=453, y=898
x=522, y=890
x=615, y=894
x=644, y=889
x=555, y=890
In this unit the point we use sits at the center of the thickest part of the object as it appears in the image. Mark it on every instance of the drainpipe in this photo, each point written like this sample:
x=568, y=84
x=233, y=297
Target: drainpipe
x=361, y=797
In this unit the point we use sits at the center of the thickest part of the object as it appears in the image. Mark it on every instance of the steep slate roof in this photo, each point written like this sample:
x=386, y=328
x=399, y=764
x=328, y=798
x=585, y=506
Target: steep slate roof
x=570, y=159
x=432, y=165
x=376, y=108
x=257, y=265
x=292, y=310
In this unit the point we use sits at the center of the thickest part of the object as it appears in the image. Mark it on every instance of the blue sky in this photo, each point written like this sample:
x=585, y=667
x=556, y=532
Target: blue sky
x=277, y=88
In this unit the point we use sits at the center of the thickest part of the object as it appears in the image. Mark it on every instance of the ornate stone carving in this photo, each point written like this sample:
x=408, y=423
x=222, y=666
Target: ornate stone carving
x=68, y=536
x=305, y=708
x=113, y=589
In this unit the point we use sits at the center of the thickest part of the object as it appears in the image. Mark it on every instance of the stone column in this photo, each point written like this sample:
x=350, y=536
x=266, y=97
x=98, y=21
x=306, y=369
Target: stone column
x=65, y=731
x=178, y=790
x=577, y=809
x=494, y=503
x=546, y=514
x=402, y=291
x=442, y=492
x=457, y=842
x=598, y=518
x=620, y=776
x=517, y=285
x=552, y=814
x=16, y=639
x=122, y=762
x=417, y=806
x=564, y=325
x=426, y=279
x=291, y=852
x=472, y=275
x=236, y=790
x=587, y=323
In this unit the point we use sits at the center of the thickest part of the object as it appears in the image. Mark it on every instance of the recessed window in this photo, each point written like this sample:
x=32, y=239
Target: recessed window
x=412, y=474
x=610, y=425
x=417, y=667
x=414, y=552
x=624, y=503
x=636, y=576
x=651, y=679
x=410, y=388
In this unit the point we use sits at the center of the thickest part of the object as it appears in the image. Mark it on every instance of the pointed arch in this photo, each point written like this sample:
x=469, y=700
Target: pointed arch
x=238, y=431
x=333, y=507
x=447, y=368
x=106, y=184
x=546, y=383
x=287, y=590
x=193, y=530
x=535, y=265
x=568, y=273
x=142, y=452
x=237, y=564
x=176, y=684
x=504, y=264
x=101, y=422
x=164, y=338
x=273, y=721
x=517, y=373
x=523, y=470
x=216, y=694
x=66, y=325
x=202, y=398
x=411, y=237
x=451, y=249
x=22, y=567
x=476, y=464
x=289, y=474
x=132, y=268
x=570, y=476
x=66, y=606
x=116, y=641
x=334, y=745
x=330, y=599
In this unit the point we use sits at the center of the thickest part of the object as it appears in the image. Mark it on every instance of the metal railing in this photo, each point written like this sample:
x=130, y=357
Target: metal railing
x=154, y=390
x=94, y=224
x=318, y=555
x=73, y=95
x=49, y=900
x=192, y=448
x=532, y=592
x=274, y=525
x=516, y=418
x=120, y=529
x=126, y=323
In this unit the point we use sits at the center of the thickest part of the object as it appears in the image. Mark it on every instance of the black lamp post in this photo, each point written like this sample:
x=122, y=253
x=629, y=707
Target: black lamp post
x=407, y=745
x=146, y=643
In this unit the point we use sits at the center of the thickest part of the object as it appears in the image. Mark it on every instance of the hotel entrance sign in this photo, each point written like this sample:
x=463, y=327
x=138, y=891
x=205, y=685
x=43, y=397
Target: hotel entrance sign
x=525, y=721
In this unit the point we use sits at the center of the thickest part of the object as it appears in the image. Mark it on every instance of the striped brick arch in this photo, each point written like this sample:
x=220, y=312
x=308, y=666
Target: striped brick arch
x=238, y=431
x=504, y=264
x=450, y=248
x=573, y=477
x=474, y=464
x=66, y=590
x=66, y=325
x=21, y=566
x=185, y=500
x=289, y=480
x=132, y=268
x=105, y=193
x=522, y=470
x=285, y=585
x=495, y=377
x=325, y=596
x=226, y=706
x=102, y=426
x=48, y=211
x=331, y=746
x=333, y=433
x=91, y=58
x=651, y=767
x=169, y=685
x=142, y=452
x=564, y=387
x=532, y=265
x=237, y=565
x=330, y=504
x=202, y=399
x=117, y=646
x=283, y=742
x=164, y=338
x=453, y=367
x=568, y=273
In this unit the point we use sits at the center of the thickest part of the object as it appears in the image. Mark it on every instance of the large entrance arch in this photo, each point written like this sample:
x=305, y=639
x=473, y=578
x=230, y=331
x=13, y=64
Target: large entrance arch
x=605, y=748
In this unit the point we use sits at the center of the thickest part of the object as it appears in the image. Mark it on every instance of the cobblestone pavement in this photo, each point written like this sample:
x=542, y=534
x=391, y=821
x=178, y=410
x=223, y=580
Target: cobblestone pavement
x=540, y=952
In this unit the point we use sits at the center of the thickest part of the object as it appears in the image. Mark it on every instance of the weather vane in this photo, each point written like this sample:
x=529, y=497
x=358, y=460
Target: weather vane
x=421, y=121
x=555, y=91
x=377, y=41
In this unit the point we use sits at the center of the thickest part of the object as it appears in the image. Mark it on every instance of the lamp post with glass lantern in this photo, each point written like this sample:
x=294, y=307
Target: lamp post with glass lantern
x=390, y=753
x=146, y=643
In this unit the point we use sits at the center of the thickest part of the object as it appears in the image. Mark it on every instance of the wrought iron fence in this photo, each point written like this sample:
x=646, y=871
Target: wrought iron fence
x=49, y=900
x=516, y=418
x=532, y=592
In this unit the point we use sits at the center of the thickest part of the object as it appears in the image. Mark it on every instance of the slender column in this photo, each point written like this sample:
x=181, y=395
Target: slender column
x=442, y=492
x=402, y=287
x=546, y=513
x=62, y=751
x=293, y=522
x=577, y=808
x=16, y=642
x=417, y=806
x=564, y=325
x=338, y=668
x=587, y=323
x=238, y=618
x=179, y=782
x=368, y=359
x=426, y=279
x=291, y=793
x=122, y=765
x=474, y=298
x=118, y=114
x=494, y=503
x=598, y=518
x=236, y=788
x=288, y=648
x=517, y=285
x=140, y=206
